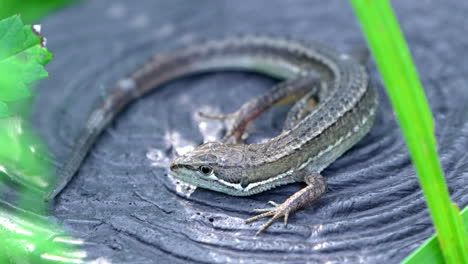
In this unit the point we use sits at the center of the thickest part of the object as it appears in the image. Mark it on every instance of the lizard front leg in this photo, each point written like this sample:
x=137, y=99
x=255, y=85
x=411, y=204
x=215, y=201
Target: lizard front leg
x=316, y=187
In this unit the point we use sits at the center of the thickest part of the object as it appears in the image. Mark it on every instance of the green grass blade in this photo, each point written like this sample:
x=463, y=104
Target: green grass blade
x=410, y=105
x=429, y=252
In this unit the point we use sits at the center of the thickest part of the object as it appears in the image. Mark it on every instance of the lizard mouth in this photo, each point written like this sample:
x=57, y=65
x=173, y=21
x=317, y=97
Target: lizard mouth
x=176, y=167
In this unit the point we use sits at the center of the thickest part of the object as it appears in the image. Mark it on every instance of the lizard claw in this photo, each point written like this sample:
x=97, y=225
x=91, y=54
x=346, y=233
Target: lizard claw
x=273, y=203
x=267, y=209
x=316, y=186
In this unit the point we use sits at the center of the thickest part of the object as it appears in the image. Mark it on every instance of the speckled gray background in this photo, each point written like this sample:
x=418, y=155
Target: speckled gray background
x=125, y=207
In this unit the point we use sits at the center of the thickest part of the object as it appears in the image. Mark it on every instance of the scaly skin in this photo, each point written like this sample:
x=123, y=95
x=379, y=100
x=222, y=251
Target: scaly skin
x=311, y=138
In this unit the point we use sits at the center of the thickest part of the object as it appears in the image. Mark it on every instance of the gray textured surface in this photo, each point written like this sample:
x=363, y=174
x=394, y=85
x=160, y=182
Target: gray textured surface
x=123, y=203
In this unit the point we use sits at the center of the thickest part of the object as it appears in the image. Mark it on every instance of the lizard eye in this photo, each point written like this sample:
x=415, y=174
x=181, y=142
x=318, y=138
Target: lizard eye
x=206, y=170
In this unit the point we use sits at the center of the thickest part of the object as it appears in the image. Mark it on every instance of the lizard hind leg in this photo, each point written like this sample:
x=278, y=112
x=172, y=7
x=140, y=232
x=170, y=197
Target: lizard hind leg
x=284, y=93
x=316, y=187
x=235, y=124
x=215, y=116
x=300, y=109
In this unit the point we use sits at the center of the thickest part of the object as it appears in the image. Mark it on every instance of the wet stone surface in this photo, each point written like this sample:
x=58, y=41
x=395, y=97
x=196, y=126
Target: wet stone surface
x=126, y=208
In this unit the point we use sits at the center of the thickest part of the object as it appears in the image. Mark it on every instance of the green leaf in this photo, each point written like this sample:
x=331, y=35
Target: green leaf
x=30, y=238
x=22, y=157
x=430, y=252
x=4, y=111
x=22, y=60
x=30, y=10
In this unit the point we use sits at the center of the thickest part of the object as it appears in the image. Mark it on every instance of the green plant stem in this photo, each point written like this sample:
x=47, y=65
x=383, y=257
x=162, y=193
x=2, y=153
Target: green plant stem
x=407, y=97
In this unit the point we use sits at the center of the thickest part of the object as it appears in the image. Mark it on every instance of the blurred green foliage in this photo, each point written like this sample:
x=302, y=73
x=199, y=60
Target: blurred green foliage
x=30, y=10
x=22, y=60
x=32, y=238
x=23, y=160
x=26, y=235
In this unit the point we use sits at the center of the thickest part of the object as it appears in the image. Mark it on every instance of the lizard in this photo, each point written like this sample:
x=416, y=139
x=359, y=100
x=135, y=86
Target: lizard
x=335, y=106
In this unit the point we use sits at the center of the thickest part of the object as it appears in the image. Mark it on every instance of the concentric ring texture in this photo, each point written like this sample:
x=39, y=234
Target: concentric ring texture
x=126, y=208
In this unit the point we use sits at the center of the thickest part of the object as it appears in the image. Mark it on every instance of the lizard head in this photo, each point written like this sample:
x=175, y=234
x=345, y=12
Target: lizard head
x=213, y=166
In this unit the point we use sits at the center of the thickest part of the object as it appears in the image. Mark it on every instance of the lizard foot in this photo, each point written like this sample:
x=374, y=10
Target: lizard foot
x=277, y=211
x=316, y=187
